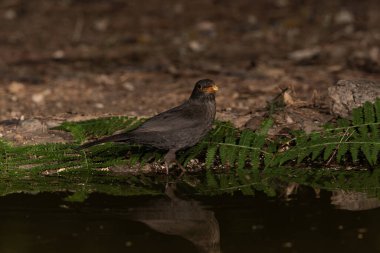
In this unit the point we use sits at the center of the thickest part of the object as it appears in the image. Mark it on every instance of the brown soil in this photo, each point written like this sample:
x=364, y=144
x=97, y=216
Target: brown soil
x=75, y=58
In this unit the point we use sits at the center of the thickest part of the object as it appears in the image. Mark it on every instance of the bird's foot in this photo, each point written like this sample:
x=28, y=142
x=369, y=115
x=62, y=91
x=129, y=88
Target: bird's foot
x=167, y=166
x=183, y=170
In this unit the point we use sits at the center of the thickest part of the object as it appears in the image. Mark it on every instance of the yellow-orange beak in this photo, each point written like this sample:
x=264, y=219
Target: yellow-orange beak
x=210, y=89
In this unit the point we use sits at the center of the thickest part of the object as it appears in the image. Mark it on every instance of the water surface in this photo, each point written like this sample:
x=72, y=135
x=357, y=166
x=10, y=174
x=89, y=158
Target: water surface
x=304, y=221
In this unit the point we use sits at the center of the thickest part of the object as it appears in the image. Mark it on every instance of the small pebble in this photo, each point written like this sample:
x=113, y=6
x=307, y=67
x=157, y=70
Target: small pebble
x=305, y=55
x=178, y=8
x=101, y=25
x=10, y=14
x=281, y=3
x=287, y=245
x=206, y=27
x=195, y=46
x=344, y=17
x=128, y=86
x=252, y=20
x=59, y=54
x=38, y=98
x=99, y=105
x=16, y=87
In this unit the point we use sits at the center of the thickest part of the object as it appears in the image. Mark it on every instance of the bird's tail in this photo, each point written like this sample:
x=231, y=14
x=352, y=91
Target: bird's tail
x=113, y=138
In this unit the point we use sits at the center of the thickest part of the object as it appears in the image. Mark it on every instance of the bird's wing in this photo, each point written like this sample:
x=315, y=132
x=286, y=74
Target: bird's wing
x=180, y=117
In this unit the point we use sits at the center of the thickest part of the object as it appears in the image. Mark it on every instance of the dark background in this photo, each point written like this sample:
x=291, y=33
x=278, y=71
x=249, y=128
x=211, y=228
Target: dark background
x=94, y=58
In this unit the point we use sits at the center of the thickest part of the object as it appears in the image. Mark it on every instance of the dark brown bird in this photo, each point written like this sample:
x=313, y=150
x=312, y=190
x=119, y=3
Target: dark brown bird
x=175, y=129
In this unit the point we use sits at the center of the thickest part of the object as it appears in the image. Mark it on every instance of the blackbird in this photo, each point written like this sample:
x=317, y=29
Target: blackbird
x=177, y=128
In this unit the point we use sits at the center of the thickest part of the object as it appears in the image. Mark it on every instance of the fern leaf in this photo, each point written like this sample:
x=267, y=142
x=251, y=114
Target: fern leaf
x=228, y=152
x=366, y=149
x=358, y=120
x=269, y=156
x=224, y=181
x=211, y=179
x=302, y=154
x=371, y=117
x=301, y=140
x=357, y=115
x=210, y=155
x=375, y=153
x=369, y=113
x=246, y=138
x=255, y=154
x=354, y=150
x=232, y=154
x=245, y=184
x=343, y=123
x=328, y=151
x=289, y=155
x=316, y=151
x=265, y=126
x=258, y=143
x=192, y=153
x=342, y=150
x=377, y=109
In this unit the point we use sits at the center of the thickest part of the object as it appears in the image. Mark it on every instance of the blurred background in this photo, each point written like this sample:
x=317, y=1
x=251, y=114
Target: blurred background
x=75, y=58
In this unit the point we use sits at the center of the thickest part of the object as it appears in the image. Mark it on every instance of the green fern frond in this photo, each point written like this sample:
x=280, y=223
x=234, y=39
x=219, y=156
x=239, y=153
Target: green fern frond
x=211, y=155
x=211, y=180
x=258, y=143
x=366, y=149
x=269, y=156
x=246, y=138
x=228, y=152
x=244, y=181
x=232, y=150
x=377, y=109
x=343, y=123
x=354, y=151
x=375, y=153
x=192, y=153
x=255, y=154
x=265, y=126
x=342, y=150
x=369, y=113
x=316, y=150
x=357, y=116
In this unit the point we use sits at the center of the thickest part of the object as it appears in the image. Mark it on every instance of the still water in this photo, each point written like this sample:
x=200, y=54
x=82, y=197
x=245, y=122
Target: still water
x=308, y=221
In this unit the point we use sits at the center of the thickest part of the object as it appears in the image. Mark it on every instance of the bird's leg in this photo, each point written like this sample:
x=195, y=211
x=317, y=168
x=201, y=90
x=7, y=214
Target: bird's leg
x=183, y=170
x=169, y=158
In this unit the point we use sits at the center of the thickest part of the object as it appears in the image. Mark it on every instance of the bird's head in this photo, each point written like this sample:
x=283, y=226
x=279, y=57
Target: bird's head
x=204, y=88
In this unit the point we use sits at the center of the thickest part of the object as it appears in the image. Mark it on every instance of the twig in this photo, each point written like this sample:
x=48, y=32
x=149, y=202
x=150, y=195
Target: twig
x=340, y=142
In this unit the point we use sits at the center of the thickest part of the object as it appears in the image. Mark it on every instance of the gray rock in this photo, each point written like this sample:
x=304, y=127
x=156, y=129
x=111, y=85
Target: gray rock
x=346, y=95
x=305, y=55
x=32, y=125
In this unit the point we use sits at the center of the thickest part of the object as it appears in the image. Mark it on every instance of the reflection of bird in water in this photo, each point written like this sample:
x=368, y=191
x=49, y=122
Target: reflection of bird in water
x=187, y=219
x=178, y=128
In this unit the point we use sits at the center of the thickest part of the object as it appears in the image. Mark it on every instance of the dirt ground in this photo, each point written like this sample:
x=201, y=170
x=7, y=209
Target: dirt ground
x=81, y=58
